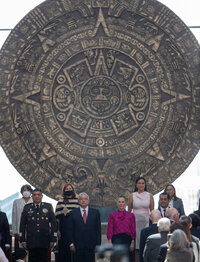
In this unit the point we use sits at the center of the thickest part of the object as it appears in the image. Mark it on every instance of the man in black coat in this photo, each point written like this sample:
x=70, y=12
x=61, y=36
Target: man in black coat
x=5, y=238
x=85, y=233
x=155, y=215
x=38, y=228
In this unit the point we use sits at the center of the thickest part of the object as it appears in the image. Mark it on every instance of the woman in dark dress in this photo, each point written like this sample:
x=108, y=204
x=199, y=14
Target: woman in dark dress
x=64, y=206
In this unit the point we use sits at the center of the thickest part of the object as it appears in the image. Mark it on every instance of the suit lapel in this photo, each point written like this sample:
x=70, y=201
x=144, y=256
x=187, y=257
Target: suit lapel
x=80, y=215
x=89, y=215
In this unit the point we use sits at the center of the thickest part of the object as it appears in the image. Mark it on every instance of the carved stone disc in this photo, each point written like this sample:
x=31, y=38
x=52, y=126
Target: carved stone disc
x=98, y=92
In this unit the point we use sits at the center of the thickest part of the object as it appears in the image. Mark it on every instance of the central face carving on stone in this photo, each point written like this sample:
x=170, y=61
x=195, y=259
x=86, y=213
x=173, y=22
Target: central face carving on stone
x=101, y=97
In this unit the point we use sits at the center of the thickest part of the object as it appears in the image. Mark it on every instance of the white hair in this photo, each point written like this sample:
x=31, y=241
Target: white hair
x=155, y=215
x=83, y=193
x=164, y=224
x=179, y=241
x=171, y=212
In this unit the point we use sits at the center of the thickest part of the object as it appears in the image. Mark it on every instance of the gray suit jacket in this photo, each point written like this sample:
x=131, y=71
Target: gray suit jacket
x=152, y=246
x=178, y=204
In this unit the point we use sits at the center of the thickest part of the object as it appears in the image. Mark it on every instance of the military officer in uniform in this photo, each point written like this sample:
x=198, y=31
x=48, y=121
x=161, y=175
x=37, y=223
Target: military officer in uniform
x=38, y=228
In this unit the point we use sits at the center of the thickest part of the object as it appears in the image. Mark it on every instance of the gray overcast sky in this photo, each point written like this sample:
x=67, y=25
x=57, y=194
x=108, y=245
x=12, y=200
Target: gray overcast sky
x=12, y=11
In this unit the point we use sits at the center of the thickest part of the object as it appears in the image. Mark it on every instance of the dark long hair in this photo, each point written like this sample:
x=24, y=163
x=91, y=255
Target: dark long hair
x=65, y=186
x=136, y=181
x=175, y=197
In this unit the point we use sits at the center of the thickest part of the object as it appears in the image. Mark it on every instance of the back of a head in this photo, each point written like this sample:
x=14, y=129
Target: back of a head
x=178, y=241
x=195, y=220
x=187, y=219
x=174, y=226
x=171, y=212
x=20, y=253
x=186, y=229
x=155, y=215
x=164, y=224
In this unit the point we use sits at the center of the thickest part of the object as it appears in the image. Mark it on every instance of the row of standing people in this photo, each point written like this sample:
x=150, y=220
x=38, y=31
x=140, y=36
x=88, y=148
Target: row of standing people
x=140, y=201
x=79, y=228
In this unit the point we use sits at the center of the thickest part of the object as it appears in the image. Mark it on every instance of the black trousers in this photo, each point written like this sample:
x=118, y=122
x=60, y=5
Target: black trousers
x=64, y=253
x=122, y=239
x=84, y=255
x=38, y=255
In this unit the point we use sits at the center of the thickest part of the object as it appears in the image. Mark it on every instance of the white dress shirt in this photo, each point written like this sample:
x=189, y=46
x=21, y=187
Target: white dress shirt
x=171, y=203
x=84, y=209
x=162, y=211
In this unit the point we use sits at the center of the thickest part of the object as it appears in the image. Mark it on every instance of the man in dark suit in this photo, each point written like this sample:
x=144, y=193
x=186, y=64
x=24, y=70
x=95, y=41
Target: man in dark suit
x=147, y=231
x=5, y=238
x=197, y=212
x=153, y=242
x=85, y=233
x=163, y=203
x=38, y=228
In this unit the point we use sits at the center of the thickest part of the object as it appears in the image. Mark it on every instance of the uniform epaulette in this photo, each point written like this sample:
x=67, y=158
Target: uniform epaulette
x=45, y=203
x=29, y=204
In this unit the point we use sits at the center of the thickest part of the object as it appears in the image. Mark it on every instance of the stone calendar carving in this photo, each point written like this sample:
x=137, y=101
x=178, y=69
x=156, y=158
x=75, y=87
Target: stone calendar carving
x=98, y=92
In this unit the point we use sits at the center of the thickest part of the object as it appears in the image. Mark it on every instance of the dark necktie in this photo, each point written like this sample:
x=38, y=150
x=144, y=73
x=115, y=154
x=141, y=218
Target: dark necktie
x=164, y=210
x=84, y=216
x=37, y=207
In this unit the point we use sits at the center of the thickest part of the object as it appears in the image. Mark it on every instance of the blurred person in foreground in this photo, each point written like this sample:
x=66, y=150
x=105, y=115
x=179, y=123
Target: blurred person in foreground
x=179, y=249
x=121, y=226
x=64, y=207
x=20, y=255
